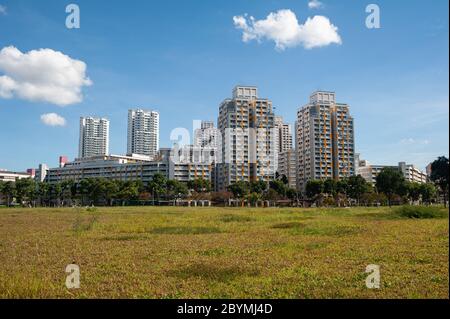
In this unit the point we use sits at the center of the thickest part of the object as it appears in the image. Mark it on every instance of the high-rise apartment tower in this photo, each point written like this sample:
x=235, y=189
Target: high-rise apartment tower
x=94, y=137
x=325, y=140
x=143, y=132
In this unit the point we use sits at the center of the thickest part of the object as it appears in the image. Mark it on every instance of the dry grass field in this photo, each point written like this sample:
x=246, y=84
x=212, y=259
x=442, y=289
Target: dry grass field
x=167, y=252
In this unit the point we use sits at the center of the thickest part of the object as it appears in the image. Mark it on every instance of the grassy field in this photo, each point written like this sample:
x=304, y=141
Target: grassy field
x=152, y=252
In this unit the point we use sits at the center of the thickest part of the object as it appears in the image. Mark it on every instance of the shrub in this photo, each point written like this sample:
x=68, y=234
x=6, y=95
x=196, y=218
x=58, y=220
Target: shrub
x=421, y=212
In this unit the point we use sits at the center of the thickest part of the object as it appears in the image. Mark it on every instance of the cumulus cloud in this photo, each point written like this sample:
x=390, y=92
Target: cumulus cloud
x=42, y=75
x=2, y=9
x=315, y=4
x=283, y=28
x=53, y=119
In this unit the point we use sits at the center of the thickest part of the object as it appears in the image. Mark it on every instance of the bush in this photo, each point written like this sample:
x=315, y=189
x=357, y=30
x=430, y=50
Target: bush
x=421, y=212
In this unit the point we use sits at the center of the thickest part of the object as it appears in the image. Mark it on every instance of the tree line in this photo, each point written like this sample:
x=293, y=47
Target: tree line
x=390, y=188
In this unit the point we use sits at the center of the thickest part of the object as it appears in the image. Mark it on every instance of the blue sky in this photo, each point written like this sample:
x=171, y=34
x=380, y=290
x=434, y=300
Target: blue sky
x=183, y=58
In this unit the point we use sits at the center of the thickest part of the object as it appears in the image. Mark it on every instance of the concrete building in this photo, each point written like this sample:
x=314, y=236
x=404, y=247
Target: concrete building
x=41, y=173
x=325, y=140
x=287, y=166
x=129, y=168
x=284, y=132
x=117, y=167
x=248, y=134
x=207, y=135
x=94, y=137
x=412, y=173
x=8, y=176
x=370, y=172
x=143, y=132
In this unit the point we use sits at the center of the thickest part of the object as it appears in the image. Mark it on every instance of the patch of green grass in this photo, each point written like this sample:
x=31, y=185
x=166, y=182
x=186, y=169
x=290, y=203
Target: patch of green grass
x=338, y=230
x=124, y=237
x=84, y=223
x=228, y=218
x=220, y=273
x=185, y=230
x=289, y=225
x=421, y=212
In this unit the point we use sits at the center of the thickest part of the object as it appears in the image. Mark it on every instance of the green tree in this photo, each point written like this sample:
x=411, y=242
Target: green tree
x=314, y=188
x=128, y=190
x=390, y=182
x=342, y=186
x=258, y=187
x=413, y=190
x=42, y=193
x=439, y=176
x=25, y=190
x=330, y=187
x=54, y=193
x=176, y=189
x=253, y=198
x=278, y=186
x=356, y=187
x=199, y=185
x=157, y=186
x=240, y=189
x=9, y=191
x=428, y=192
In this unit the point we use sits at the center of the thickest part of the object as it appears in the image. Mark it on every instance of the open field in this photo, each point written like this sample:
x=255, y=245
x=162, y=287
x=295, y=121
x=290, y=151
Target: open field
x=167, y=252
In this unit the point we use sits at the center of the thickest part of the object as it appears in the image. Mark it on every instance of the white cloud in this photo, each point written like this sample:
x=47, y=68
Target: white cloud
x=283, y=28
x=2, y=9
x=413, y=141
x=53, y=119
x=315, y=4
x=42, y=75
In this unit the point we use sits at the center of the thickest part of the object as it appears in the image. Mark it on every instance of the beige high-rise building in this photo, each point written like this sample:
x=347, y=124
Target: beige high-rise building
x=325, y=140
x=248, y=139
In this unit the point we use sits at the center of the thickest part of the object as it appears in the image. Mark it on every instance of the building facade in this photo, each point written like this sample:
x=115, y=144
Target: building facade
x=207, y=135
x=8, y=176
x=143, y=132
x=115, y=167
x=284, y=131
x=130, y=168
x=94, y=137
x=287, y=166
x=324, y=140
x=410, y=172
x=248, y=139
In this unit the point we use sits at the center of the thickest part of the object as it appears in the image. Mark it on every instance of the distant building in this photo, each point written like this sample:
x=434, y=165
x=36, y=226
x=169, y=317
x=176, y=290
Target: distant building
x=325, y=140
x=8, y=176
x=94, y=137
x=207, y=135
x=130, y=168
x=115, y=167
x=143, y=132
x=370, y=172
x=41, y=173
x=287, y=166
x=428, y=170
x=284, y=132
x=412, y=173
